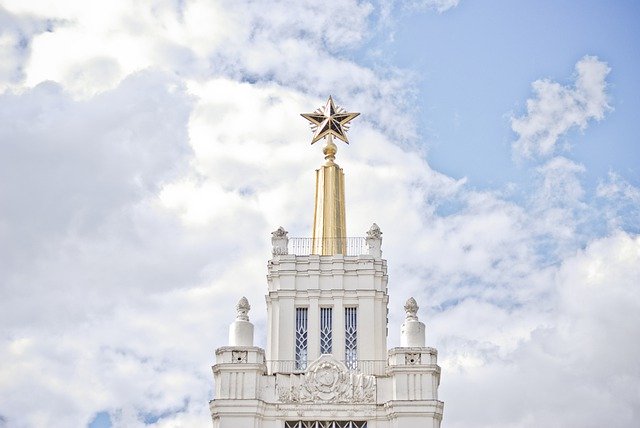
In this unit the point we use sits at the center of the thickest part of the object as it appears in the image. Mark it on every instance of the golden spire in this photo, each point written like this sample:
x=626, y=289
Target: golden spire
x=329, y=223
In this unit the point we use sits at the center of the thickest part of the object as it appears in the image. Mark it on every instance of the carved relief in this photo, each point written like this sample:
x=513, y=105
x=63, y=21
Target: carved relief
x=412, y=359
x=328, y=381
x=239, y=357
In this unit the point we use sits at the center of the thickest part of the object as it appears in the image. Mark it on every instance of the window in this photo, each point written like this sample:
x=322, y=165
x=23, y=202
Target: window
x=301, y=338
x=325, y=424
x=350, y=337
x=326, y=333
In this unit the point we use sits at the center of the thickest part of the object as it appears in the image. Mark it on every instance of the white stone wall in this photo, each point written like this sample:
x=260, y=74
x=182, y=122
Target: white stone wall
x=260, y=388
x=404, y=397
x=327, y=281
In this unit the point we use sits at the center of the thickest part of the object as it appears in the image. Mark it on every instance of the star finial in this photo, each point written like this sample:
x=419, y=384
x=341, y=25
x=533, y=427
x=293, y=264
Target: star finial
x=329, y=120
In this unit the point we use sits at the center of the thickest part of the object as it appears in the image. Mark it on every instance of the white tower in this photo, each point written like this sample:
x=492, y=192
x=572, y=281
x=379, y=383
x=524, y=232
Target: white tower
x=326, y=362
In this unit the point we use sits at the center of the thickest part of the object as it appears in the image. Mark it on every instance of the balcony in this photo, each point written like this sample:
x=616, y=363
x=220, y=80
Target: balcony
x=370, y=244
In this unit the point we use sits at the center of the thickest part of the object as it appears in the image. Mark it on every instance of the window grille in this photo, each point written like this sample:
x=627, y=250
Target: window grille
x=301, y=338
x=325, y=424
x=350, y=337
x=326, y=332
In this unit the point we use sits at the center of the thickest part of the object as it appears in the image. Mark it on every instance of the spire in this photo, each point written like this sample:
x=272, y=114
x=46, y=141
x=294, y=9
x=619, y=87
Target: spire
x=329, y=221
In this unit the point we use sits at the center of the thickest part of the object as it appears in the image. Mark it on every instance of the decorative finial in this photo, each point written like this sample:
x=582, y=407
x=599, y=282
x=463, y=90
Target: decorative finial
x=374, y=241
x=374, y=232
x=279, y=233
x=243, y=308
x=330, y=149
x=279, y=242
x=411, y=308
x=330, y=121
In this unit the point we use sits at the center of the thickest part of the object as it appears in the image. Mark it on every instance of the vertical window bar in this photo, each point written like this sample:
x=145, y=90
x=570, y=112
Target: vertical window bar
x=301, y=338
x=326, y=331
x=350, y=338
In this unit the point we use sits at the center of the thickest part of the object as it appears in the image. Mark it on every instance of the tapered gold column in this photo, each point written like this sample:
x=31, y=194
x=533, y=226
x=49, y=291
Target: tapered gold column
x=329, y=223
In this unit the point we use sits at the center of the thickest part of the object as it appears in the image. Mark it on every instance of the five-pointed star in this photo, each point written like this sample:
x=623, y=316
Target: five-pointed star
x=329, y=121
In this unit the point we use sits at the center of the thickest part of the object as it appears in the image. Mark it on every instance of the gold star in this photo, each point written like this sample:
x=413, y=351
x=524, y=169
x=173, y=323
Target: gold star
x=330, y=120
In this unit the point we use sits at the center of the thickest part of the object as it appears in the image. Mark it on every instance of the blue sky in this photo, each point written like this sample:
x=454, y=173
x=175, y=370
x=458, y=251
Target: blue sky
x=474, y=65
x=148, y=150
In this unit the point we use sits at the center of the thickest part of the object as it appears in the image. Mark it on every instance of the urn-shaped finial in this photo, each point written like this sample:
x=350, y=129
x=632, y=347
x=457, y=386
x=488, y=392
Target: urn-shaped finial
x=242, y=308
x=411, y=308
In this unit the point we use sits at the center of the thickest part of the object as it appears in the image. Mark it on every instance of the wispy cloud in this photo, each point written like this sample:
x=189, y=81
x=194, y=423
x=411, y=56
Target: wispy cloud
x=438, y=5
x=556, y=109
x=621, y=202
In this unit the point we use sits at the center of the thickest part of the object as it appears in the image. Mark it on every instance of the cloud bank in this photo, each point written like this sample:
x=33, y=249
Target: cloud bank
x=146, y=152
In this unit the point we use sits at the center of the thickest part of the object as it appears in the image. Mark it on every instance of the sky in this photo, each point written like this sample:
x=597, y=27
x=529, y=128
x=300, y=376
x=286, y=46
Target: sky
x=149, y=148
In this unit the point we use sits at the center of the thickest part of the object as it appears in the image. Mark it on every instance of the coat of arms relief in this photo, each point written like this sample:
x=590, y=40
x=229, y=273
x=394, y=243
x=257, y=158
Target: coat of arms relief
x=327, y=380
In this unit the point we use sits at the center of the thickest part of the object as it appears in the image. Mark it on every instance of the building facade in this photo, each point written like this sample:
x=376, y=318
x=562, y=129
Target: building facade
x=326, y=362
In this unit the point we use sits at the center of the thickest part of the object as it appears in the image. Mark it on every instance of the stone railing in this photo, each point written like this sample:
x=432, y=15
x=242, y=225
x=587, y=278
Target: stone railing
x=348, y=246
x=368, y=367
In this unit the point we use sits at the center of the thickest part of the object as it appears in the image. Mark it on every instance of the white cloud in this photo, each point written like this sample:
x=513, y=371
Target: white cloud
x=556, y=109
x=300, y=45
x=85, y=243
x=438, y=5
x=621, y=202
x=140, y=186
x=558, y=204
x=16, y=34
x=616, y=186
x=192, y=38
x=570, y=371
